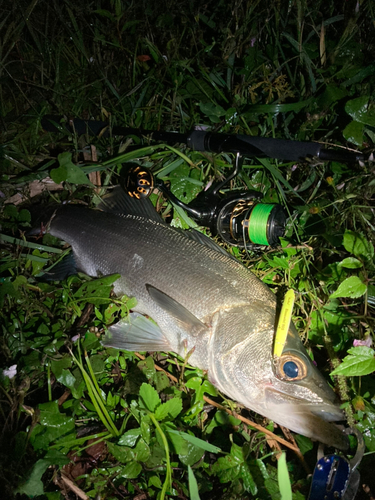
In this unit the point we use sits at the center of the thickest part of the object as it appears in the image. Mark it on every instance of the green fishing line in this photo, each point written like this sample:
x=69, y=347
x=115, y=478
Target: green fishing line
x=258, y=223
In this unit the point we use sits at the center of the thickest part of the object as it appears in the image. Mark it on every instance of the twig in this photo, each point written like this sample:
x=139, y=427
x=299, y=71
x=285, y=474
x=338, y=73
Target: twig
x=260, y=428
x=63, y=482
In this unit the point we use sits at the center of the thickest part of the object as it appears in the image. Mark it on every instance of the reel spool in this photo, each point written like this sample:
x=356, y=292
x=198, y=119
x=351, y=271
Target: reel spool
x=238, y=217
x=249, y=222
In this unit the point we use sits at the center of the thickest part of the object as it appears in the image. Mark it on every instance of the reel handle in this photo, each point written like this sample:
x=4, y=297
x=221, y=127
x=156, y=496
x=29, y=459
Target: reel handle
x=139, y=182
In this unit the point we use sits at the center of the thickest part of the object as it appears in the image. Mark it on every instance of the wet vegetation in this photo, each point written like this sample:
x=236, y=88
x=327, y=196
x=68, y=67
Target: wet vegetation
x=80, y=421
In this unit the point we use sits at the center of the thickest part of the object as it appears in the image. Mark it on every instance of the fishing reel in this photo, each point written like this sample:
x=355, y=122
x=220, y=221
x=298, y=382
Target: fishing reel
x=238, y=217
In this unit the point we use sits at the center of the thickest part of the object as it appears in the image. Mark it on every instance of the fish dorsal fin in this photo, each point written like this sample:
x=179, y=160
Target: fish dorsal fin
x=119, y=202
x=201, y=238
x=136, y=333
x=177, y=310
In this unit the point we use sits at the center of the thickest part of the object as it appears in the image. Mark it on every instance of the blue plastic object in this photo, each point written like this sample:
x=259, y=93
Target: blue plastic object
x=335, y=477
x=330, y=478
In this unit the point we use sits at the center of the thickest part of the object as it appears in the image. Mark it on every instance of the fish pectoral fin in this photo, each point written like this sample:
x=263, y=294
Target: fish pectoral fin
x=136, y=333
x=177, y=310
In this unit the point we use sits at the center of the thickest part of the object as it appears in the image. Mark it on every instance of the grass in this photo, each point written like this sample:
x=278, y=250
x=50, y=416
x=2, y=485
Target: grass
x=80, y=420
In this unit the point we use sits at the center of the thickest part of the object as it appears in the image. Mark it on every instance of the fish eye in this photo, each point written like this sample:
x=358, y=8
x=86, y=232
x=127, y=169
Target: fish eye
x=291, y=367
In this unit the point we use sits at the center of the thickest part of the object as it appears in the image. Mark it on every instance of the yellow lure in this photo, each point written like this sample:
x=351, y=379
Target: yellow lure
x=283, y=324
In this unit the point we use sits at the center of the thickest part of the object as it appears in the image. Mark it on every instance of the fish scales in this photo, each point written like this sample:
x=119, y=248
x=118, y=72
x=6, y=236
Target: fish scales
x=195, y=273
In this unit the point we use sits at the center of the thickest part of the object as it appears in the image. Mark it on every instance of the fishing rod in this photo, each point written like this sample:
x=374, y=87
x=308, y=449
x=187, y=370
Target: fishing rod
x=238, y=217
x=199, y=140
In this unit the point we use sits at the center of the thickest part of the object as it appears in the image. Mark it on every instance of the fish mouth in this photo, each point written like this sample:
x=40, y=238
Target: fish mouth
x=311, y=419
x=328, y=412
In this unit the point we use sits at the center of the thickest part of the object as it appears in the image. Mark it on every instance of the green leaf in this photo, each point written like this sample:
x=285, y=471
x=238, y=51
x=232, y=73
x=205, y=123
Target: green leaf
x=237, y=452
x=155, y=481
x=52, y=425
x=196, y=441
x=194, y=383
x=183, y=183
x=354, y=133
x=226, y=468
x=352, y=288
x=96, y=291
x=149, y=396
x=91, y=341
x=7, y=289
x=56, y=457
x=178, y=444
x=67, y=379
x=222, y=418
x=60, y=364
x=170, y=409
x=67, y=171
x=208, y=388
x=213, y=111
x=53, y=495
x=360, y=361
x=161, y=381
x=248, y=481
x=131, y=470
x=97, y=364
x=11, y=212
x=34, y=486
x=358, y=245
x=360, y=111
x=193, y=485
x=331, y=95
x=367, y=427
x=142, y=451
x=147, y=366
x=27, y=244
x=192, y=455
x=332, y=318
x=169, y=167
x=130, y=437
x=350, y=263
x=146, y=429
x=201, y=386
x=24, y=216
x=304, y=443
x=38, y=261
x=121, y=453
x=283, y=478
x=112, y=400
x=181, y=219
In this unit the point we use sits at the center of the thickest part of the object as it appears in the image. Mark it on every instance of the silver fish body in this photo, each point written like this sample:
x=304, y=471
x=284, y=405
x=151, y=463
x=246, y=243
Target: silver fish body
x=204, y=300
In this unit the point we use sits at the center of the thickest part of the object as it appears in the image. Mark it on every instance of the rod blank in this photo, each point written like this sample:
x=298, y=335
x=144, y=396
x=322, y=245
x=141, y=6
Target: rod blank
x=261, y=147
